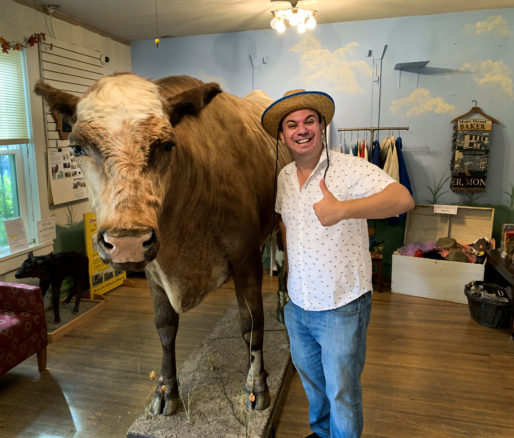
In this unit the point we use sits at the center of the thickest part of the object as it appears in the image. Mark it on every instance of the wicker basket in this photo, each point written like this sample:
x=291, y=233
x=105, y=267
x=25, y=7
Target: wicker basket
x=487, y=311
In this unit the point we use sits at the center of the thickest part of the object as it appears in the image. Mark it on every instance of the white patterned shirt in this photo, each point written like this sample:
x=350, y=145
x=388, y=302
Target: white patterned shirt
x=328, y=266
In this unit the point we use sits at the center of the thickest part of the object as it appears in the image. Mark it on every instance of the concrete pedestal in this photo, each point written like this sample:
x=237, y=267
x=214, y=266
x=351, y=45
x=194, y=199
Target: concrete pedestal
x=213, y=379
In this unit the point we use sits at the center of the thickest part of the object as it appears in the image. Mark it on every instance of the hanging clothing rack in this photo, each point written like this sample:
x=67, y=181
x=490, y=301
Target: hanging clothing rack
x=373, y=129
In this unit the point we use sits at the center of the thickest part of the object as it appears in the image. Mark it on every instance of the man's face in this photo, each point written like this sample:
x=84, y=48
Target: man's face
x=302, y=132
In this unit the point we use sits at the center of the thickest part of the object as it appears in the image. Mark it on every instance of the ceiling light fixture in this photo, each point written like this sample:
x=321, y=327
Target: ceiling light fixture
x=157, y=40
x=302, y=19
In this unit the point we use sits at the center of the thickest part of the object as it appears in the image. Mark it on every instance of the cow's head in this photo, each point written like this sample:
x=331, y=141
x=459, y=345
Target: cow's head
x=123, y=136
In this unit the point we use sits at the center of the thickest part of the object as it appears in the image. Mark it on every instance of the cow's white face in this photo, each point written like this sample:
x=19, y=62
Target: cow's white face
x=123, y=138
x=117, y=100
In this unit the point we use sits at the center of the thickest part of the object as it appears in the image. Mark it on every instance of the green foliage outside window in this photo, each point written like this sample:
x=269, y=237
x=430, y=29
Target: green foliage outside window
x=9, y=207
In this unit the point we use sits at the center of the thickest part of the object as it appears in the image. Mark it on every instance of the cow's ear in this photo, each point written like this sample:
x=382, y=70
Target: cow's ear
x=60, y=102
x=191, y=102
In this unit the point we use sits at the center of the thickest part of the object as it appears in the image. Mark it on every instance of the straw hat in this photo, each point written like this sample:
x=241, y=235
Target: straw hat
x=294, y=100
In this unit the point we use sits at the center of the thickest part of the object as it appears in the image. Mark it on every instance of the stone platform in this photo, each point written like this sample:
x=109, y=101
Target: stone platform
x=213, y=379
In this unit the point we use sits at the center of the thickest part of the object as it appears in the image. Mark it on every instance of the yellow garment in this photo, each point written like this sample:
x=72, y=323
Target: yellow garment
x=389, y=157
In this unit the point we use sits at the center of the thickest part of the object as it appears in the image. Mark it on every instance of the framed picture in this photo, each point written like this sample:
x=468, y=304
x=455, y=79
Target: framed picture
x=507, y=234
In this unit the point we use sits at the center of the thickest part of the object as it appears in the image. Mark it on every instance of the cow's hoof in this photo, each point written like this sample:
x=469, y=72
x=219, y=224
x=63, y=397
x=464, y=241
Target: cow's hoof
x=57, y=319
x=257, y=401
x=257, y=392
x=164, y=405
x=75, y=311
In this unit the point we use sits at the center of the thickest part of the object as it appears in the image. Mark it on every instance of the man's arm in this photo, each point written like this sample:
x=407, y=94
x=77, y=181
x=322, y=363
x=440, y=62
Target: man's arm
x=394, y=200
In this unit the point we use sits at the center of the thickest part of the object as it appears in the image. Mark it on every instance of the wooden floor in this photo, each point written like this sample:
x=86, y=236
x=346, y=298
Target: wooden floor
x=431, y=371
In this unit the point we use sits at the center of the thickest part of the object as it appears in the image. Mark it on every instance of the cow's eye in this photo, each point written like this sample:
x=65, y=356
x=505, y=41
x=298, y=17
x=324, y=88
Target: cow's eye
x=168, y=146
x=78, y=150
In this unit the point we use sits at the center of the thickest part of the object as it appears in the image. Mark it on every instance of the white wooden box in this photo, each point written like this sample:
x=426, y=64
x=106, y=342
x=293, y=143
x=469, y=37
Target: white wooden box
x=440, y=279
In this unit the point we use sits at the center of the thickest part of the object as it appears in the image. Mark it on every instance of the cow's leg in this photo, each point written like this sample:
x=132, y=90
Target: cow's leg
x=248, y=284
x=77, y=301
x=44, y=284
x=77, y=286
x=80, y=287
x=70, y=294
x=56, y=293
x=166, y=321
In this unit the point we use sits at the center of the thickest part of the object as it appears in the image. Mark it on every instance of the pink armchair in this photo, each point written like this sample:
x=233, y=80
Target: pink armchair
x=23, y=330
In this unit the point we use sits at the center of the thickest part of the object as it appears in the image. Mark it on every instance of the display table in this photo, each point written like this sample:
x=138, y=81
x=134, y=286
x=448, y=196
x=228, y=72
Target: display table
x=497, y=271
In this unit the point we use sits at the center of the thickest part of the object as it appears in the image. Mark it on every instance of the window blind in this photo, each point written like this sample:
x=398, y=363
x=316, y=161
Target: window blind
x=69, y=68
x=73, y=69
x=13, y=113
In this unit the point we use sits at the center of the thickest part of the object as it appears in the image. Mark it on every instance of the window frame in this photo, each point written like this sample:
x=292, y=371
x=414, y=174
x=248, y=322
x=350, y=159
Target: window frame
x=26, y=180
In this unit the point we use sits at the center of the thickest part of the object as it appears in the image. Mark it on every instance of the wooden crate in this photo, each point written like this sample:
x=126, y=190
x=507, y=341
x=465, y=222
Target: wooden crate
x=440, y=279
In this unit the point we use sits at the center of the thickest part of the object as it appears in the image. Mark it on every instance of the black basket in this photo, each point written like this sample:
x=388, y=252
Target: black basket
x=486, y=311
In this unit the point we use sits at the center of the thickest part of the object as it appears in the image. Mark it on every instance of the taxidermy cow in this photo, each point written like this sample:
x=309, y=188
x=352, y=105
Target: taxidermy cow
x=52, y=269
x=180, y=177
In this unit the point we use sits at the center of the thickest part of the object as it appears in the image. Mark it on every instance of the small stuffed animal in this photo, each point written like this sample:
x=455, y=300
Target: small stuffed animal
x=51, y=269
x=479, y=247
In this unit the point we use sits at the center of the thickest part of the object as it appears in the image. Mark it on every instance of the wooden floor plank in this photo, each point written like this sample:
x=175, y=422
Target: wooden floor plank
x=431, y=371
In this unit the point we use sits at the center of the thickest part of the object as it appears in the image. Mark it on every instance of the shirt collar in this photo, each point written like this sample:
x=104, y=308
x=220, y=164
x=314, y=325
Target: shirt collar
x=320, y=165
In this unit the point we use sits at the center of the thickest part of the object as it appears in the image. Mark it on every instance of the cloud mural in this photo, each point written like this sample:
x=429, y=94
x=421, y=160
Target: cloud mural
x=494, y=73
x=420, y=102
x=330, y=70
x=495, y=24
x=208, y=78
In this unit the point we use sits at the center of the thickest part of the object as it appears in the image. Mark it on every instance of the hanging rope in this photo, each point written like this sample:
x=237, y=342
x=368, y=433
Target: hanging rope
x=157, y=40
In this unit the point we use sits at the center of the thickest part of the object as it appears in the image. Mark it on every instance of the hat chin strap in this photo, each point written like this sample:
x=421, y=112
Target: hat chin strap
x=326, y=148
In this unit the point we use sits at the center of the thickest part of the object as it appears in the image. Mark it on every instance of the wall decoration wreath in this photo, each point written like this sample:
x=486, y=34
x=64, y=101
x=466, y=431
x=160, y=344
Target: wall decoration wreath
x=27, y=42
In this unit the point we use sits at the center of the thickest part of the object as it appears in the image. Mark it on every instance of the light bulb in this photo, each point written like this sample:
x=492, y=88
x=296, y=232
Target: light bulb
x=294, y=19
x=311, y=22
x=302, y=15
x=280, y=26
x=301, y=27
x=274, y=22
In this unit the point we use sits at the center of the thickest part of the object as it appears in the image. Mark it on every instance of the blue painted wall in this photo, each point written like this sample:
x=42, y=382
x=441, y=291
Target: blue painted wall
x=471, y=58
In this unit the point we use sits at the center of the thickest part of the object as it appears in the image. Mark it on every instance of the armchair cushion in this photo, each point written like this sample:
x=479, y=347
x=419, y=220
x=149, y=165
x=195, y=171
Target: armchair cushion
x=23, y=329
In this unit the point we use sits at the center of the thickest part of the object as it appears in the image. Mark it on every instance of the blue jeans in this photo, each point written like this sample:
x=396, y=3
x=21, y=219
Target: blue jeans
x=328, y=349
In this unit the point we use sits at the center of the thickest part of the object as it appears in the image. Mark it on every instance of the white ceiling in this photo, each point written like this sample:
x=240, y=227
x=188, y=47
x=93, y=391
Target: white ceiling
x=132, y=20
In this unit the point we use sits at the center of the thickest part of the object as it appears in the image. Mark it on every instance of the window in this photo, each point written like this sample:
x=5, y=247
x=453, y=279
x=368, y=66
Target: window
x=18, y=181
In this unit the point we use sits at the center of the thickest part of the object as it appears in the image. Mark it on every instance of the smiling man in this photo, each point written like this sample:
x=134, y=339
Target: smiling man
x=324, y=199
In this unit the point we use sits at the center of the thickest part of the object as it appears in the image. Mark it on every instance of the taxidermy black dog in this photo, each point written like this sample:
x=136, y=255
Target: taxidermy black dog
x=51, y=269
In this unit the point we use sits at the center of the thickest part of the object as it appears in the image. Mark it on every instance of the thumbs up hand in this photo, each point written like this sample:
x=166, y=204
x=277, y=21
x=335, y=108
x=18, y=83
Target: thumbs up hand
x=329, y=209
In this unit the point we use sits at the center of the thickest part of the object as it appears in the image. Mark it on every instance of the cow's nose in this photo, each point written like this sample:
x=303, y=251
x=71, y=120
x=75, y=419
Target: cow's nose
x=130, y=248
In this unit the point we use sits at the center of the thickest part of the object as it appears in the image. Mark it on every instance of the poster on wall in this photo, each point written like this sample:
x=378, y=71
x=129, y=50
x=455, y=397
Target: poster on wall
x=66, y=179
x=470, y=154
x=102, y=278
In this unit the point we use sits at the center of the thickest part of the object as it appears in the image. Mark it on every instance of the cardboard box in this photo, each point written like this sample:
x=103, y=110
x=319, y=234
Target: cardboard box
x=440, y=279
